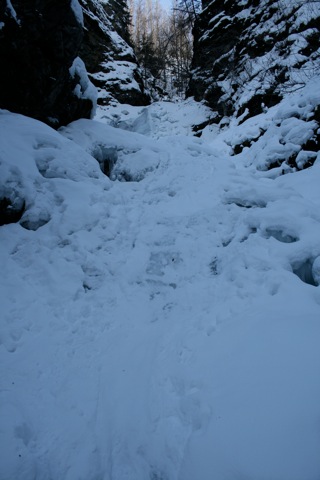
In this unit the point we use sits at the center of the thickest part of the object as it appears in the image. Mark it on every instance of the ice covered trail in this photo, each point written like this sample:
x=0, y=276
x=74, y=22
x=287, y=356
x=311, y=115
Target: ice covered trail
x=160, y=329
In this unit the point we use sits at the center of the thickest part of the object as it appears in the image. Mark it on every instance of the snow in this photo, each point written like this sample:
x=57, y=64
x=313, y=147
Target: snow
x=160, y=119
x=77, y=10
x=12, y=12
x=84, y=89
x=166, y=327
x=117, y=73
x=119, y=70
x=256, y=74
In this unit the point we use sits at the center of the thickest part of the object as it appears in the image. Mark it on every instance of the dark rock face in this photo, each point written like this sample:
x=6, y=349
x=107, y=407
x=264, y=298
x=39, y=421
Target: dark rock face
x=39, y=40
x=107, y=53
x=249, y=53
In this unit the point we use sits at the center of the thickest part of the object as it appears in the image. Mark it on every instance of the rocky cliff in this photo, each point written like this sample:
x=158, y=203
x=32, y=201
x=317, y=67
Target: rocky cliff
x=248, y=53
x=108, y=55
x=41, y=74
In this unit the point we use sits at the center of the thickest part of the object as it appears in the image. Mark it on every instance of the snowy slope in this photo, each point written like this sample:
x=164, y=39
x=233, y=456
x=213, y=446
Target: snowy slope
x=167, y=327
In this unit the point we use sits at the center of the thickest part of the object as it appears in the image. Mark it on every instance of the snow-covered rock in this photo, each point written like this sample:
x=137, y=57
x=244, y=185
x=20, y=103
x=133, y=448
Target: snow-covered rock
x=248, y=54
x=284, y=138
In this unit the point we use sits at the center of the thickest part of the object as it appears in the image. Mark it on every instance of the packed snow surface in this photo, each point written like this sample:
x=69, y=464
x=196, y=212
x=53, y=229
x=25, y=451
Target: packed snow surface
x=162, y=323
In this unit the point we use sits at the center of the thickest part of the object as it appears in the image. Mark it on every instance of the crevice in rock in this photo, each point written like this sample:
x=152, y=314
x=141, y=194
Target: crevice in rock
x=11, y=212
x=246, y=203
x=107, y=158
x=304, y=270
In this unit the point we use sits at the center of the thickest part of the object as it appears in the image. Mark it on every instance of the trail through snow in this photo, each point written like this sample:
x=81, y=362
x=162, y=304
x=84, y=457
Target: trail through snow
x=163, y=328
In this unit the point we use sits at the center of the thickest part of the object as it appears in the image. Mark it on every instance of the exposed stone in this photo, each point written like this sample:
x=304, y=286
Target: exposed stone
x=39, y=41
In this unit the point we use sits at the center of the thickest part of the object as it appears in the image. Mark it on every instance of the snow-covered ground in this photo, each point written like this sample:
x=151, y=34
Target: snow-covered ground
x=166, y=327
